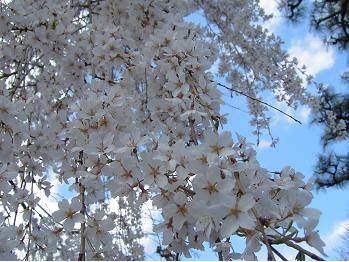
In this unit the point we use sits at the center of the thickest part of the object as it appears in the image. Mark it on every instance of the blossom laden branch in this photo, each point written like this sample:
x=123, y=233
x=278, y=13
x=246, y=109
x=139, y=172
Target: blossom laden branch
x=117, y=96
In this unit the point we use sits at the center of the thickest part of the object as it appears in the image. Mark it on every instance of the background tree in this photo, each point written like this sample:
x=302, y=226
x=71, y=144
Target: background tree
x=331, y=19
x=333, y=168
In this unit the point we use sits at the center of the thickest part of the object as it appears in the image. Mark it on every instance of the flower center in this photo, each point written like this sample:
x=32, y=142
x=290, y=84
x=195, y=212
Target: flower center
x=69, y=214
x=234, y=212
x=211, y=188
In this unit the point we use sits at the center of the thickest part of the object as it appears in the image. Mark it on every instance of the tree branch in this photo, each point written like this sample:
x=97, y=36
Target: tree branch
x=306, y=252
x=260, y=225
x=260, y=101
x=278, y=253
x=82, y=254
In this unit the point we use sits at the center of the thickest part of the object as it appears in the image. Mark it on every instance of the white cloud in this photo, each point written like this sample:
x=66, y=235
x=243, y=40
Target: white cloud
x=214, y=68
x=149, y=245
x=333, y=239
x=149, y=216
x=304, y=113
x=264, y=144
x=312, y=53
x=271, y=7
x=277, y=118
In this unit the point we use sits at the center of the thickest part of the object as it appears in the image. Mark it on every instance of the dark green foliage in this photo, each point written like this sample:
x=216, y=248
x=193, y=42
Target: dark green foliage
x=332, y=170
x=331, y=19
x=294, y=9
x=339, y=105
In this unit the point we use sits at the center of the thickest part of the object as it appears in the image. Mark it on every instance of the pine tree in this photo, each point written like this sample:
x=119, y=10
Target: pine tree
x=331, y=19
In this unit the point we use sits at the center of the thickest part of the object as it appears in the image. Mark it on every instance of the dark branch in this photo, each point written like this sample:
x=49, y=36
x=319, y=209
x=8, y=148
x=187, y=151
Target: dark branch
x=259, y=101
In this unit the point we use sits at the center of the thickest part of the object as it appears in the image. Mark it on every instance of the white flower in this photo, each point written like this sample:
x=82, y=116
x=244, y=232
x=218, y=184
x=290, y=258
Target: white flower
x=314, y=240
x=131, y=141
x=212, y=188
x=162, y=199
x=99, y=227
x=235, y=215
x=126, y=170
x=178, y=210
x=252, y=246
x=100, y=144
x=299, y=200
x=313, y=237
x=289, y=178
x=154, y=171
x=70, y=213
x=177, y=83
x=166, y=228
x=5, y=176
x=205, y=224
x=219, y=145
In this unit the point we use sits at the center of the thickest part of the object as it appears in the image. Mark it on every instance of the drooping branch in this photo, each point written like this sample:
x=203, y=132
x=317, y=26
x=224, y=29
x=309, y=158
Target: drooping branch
x=260, y=225
x=306, y=252
x=278, y=253
x=259, y=101
x=82, y=254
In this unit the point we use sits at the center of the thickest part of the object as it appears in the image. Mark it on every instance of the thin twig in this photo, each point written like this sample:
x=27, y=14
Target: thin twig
x=22, y=204
x=47, y=213
x=30, y=219
x=306, y=252
x=260, y=225
x=82, y=254
x=193, y=136
x=260, y=101
x=220, y=254
x=278, y=253
x=299, y=248
x=90, y=244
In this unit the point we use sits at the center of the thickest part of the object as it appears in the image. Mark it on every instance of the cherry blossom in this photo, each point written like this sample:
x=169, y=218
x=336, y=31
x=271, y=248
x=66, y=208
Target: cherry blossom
x=113, y=102
x=236, y=215
x=69, y=212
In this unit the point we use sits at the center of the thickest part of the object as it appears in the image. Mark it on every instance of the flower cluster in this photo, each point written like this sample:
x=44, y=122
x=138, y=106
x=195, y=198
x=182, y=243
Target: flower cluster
x=116, y=98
